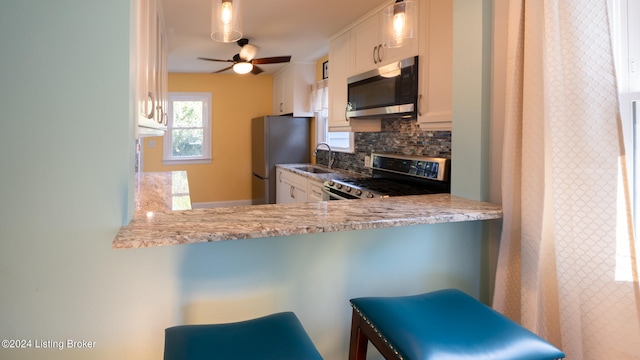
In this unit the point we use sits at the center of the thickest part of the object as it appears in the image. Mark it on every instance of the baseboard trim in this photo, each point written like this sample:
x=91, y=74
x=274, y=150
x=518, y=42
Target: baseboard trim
x=219, y=204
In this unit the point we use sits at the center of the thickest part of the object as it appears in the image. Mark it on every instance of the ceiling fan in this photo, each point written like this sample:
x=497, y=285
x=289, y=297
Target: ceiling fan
x=244, y=61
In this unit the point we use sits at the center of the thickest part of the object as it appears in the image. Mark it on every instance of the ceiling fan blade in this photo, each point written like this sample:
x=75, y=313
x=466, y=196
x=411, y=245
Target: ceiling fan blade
x=256, y=70
x=272, y=60
x=223, y=70
x=208, y=59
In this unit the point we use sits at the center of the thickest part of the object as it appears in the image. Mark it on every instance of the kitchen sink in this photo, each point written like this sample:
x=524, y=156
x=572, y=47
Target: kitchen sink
x=313, y=169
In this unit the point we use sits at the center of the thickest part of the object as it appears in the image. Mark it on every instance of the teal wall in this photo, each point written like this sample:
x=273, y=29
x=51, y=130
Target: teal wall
x=65, y=188
x=471, y=98
x=470, y=135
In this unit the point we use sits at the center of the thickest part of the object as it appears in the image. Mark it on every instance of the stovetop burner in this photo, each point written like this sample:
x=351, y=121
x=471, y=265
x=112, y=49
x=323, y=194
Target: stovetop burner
x=388, y=187
x=395, y=175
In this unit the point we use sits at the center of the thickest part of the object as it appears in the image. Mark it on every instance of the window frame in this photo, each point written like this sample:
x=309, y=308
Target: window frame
x=322, y=134
x=167, y=154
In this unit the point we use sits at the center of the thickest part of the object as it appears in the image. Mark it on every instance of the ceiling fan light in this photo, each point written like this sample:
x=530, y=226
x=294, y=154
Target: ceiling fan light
x=225, y=20
x=242, y=67
x=399, y=23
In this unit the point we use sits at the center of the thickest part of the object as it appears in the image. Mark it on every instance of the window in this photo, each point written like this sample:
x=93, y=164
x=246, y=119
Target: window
x=626, y=46
x=339, y=141
x=188, y=137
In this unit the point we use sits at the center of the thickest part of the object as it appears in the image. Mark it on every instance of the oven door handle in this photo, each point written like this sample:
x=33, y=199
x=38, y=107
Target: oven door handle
x=333, y=196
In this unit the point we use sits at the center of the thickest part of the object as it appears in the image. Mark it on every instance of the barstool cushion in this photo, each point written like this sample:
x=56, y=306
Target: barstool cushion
x=449, y=324
x=278, y=336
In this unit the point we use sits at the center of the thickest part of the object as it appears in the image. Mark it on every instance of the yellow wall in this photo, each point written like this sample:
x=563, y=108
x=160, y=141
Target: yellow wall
x=236, y=99
x=319, y=67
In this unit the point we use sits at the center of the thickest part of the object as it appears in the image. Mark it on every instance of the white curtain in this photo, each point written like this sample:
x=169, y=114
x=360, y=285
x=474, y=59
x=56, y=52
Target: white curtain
x=319, y=96
x=319, y=100
x=567, y=268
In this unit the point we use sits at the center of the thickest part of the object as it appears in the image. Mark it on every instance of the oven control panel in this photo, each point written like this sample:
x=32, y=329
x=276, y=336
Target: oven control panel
x=418, y=166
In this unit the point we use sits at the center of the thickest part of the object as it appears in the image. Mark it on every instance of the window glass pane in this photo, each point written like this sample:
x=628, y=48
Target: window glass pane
x=187, y=142
x=187, y=114
x=339, y=139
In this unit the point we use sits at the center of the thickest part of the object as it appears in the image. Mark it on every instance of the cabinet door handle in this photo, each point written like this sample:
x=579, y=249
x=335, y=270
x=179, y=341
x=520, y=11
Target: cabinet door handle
x=346, y=109
x=379, y=57
x=375, y=48
x=150, y=114
x=292, y=192
x=160, y=114
x=281, y=107
x=165, y=119
x=420, y=105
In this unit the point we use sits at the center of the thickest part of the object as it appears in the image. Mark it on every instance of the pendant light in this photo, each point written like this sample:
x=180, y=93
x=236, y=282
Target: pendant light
x=399, y=23
x=225, y=22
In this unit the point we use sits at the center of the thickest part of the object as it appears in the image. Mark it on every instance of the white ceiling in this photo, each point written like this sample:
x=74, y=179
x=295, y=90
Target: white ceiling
x=299, y=28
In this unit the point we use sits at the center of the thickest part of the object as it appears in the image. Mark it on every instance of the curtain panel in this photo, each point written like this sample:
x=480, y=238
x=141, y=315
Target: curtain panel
x=566, y=267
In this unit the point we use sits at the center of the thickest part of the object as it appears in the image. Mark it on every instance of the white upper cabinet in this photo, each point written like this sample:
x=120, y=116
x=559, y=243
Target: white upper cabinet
x=291, y=87
x=366, y=45
x=368, y=49
x=340, y=55
x=151, y=69
x=355, y=51
x=436, y=65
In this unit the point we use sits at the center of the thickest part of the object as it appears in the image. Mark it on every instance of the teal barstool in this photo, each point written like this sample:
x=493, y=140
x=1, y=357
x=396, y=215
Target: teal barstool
x=274, y=337
x=445, y=324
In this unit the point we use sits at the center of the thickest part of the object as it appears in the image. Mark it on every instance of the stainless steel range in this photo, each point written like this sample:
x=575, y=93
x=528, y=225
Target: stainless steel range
x=394, y=175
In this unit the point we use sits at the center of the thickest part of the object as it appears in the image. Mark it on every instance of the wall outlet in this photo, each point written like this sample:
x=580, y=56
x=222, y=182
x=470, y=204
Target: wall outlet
x=367, y=161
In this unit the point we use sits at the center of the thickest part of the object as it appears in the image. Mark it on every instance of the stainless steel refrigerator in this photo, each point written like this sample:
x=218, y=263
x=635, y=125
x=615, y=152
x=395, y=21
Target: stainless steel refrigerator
x=275, y=140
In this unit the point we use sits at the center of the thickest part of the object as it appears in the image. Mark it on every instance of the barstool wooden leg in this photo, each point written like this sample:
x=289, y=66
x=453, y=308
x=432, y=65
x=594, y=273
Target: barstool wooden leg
x=358, y=344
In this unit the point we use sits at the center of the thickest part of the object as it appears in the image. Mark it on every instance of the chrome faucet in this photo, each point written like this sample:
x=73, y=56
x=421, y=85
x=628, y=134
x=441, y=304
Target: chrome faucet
x=331, y=159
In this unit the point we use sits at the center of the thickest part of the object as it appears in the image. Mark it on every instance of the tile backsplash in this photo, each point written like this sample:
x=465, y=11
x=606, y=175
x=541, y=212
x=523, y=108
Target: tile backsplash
x=398, y=136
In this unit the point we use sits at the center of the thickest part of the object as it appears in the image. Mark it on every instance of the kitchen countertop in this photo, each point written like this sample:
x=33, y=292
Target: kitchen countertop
x=173, y=227
x=334, y=174
x=161, y=191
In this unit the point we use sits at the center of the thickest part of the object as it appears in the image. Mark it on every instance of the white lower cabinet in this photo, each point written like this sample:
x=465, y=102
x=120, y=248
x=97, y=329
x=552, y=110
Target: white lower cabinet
x=291, y=188
x=314, y=190
x=294, y=188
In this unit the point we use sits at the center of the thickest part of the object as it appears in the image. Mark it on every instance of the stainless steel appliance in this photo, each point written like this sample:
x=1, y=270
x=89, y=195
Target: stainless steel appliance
x=275, y=140
x=389, y=91
x=394, y=175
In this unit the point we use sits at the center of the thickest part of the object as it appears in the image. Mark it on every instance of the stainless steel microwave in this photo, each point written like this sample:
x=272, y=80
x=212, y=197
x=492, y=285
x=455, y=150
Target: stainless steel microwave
x=389, y=91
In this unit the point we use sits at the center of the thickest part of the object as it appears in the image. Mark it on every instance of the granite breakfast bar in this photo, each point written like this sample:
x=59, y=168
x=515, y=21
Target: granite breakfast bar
x=170, y=227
